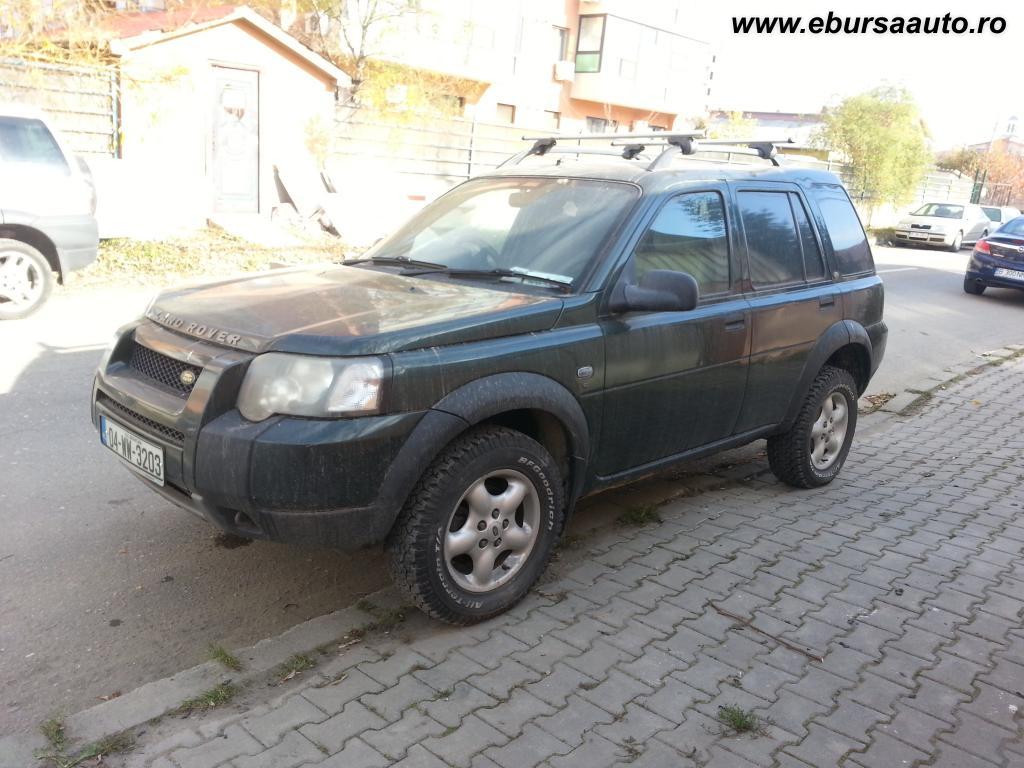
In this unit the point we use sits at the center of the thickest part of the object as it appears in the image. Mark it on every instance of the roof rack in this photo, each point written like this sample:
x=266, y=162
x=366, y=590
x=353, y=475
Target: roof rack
x=633, y=144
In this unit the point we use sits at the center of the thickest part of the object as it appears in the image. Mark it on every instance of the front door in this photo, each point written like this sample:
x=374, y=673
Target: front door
x=675, y=381
x=235, y=139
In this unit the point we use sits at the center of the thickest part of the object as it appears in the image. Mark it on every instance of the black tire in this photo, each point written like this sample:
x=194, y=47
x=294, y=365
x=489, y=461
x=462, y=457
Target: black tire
x=958, y=242
x=973, y=287
x=416, y=543
x=789, y=454
x=41, y=275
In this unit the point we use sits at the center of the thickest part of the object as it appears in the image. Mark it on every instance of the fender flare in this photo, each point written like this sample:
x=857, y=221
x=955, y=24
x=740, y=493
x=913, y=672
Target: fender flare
x=471, y=404
x=838, y=335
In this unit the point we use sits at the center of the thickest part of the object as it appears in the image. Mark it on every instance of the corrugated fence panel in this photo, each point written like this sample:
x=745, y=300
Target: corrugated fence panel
x=82, y=102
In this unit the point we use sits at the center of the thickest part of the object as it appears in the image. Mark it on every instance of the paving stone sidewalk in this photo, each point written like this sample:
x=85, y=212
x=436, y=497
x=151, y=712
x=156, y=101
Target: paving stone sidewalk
x=875, y=622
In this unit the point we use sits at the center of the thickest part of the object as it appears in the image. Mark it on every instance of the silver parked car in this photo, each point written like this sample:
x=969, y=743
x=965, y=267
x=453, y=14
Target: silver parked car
x=47, y=211
x=949, y=225
x=999, y=215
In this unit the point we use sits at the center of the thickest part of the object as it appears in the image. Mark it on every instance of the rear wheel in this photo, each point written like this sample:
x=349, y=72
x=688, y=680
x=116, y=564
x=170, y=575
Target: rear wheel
x=25, y=279
x=813, y=451
x=973, y=287
x=479, y=528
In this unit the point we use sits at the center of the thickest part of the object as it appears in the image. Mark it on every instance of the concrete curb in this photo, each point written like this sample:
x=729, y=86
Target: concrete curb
x=908, y=401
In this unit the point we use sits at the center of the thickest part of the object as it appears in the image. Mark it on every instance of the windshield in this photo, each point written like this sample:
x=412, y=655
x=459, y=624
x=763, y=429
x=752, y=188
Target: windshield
x=994, y=214
x=941, y=210
x=1013, y=227
x=546, y=227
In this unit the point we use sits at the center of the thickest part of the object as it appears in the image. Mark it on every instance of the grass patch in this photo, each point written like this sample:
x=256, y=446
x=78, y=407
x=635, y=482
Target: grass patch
x=641, y=514
x=226, y=658
x=53, y=731
x=292, y=666
x=384, y=619
x=204, y=252
x=217, y=696
x=739, y=720
x=59, y=756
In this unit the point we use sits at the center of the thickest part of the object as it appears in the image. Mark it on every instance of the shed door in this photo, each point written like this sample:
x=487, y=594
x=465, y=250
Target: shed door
x=236, y=140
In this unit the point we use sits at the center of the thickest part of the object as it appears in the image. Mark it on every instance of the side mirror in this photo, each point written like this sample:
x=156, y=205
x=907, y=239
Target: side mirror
x=660, y=290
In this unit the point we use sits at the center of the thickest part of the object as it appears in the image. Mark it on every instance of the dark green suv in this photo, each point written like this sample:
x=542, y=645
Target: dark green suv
x=534, y=335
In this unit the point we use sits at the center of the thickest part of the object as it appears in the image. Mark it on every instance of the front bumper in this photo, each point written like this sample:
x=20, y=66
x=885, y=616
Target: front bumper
x=307, y=481
x=922, y=237
x=76, y=239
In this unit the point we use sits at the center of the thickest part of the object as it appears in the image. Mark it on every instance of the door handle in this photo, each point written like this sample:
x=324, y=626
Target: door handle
x=827, y=301
x=735, y=322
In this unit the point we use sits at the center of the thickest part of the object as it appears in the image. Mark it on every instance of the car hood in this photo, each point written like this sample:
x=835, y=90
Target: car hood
x=934, y=221
x=340, y=310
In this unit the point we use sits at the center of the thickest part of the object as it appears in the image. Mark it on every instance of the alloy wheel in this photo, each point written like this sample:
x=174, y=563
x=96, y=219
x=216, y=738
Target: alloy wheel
x=492, y=530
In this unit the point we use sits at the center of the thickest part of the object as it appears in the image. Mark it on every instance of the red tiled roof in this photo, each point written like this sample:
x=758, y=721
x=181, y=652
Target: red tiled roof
x=131, y=24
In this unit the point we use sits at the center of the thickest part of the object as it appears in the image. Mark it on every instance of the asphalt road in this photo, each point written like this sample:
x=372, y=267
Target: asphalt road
x=103, y=586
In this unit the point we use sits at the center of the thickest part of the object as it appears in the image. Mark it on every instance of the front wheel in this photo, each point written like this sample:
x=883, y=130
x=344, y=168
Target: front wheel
x=958, y=242
x=25, y=279
x=813, y=451
x=479, y=528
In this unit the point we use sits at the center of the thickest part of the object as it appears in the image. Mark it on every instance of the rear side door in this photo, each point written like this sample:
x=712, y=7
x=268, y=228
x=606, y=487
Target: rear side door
x=792, y=298
x=675, y=380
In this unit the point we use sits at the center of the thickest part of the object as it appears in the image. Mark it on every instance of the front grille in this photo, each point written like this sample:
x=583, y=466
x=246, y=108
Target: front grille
x=920, y=226
x=163, y=369
x=175, y=436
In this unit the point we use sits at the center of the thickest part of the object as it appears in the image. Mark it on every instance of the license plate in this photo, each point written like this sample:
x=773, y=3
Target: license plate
x=141, y=455
x=1013, y=274
x=916, y=236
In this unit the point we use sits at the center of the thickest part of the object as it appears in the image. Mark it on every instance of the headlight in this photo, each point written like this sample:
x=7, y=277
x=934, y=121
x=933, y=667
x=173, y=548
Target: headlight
x=297, y=385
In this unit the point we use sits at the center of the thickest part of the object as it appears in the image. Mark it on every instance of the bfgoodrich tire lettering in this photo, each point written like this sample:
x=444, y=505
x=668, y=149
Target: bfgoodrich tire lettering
x=437, y=581
x=792, y=455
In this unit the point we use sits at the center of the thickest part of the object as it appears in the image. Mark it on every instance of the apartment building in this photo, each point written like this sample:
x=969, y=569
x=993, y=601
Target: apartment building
x=568, y=65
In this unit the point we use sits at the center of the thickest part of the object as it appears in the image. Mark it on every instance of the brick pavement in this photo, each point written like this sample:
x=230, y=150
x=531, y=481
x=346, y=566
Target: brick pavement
x=889, y=606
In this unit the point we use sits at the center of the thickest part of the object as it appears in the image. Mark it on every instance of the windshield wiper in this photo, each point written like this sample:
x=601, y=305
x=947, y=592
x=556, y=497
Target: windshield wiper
x=401, y=261
x=498, y=274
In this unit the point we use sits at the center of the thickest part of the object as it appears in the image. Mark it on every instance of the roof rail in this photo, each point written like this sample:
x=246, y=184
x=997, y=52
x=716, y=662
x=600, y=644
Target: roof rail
x=685, y=143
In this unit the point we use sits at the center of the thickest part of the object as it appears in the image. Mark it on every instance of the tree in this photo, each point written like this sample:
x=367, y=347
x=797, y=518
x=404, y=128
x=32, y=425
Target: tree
x=1000, y=171
x=736, y=126
x=883, y=139
x=352, y=33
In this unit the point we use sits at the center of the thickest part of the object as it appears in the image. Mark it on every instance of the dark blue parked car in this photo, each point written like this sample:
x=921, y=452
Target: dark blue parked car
x=998, y=260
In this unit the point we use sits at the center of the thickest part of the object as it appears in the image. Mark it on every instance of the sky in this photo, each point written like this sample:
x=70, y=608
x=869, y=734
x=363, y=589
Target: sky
x=966, y=85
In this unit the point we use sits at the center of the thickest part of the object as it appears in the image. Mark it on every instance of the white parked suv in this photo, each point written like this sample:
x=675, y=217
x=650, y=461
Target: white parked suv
x=47, y=211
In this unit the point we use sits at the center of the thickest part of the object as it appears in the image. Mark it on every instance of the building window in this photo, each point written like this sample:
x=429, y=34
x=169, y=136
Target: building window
x=597, y=125
x=552, y=120
x=561, y=35
x=506, y=113
x=589, y=44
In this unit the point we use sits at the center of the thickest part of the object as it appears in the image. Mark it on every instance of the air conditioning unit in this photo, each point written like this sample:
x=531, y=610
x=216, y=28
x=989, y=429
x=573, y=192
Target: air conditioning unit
x=565, y=71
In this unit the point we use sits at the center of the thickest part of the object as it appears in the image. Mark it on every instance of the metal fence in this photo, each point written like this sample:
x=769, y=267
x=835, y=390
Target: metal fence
x=82, y=102
x=445, y=148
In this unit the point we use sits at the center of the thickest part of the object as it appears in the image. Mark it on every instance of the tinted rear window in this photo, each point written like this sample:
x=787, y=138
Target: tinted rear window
x=24, y=140
x=772, y=240
x=853, y=256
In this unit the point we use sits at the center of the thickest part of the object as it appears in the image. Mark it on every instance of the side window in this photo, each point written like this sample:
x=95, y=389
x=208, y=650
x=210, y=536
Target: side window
x=772, y=242
x=688, y=235
x=814, y=267
x=853, y=255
